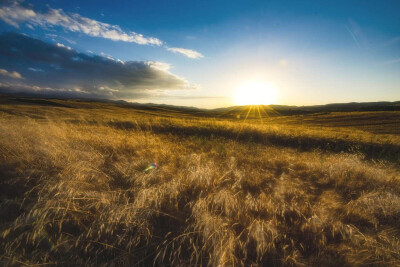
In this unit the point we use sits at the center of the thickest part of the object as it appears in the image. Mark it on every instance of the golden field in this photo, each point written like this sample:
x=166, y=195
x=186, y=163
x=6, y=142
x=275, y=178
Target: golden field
x=304, y=190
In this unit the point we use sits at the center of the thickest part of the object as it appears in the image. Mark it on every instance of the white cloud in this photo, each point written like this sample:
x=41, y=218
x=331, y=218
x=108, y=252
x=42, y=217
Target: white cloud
x=14, y=74
x=159, y=65
x=187, y=52
x=17, y=14
x=106, y=56
x=65, y=46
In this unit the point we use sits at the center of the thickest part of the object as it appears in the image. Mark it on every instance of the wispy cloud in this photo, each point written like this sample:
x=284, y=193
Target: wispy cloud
x=357, y=34
x=391, y=41
x=13, y=74
x=16, y=14
x=35, y=69
x=390, y=62
x=187, y=52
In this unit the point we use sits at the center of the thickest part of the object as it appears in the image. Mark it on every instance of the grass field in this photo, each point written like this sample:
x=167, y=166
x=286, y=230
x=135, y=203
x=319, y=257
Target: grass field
x=248, y=189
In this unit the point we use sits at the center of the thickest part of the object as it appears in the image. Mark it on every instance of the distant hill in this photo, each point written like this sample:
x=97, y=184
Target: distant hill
x=334, y=107
x=233, y=111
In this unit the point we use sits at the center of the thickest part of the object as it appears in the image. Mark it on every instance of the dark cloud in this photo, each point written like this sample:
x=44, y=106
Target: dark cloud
x=58, y=69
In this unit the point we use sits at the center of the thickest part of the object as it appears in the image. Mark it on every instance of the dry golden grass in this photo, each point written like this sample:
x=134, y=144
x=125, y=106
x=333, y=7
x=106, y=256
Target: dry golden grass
x=225, y=193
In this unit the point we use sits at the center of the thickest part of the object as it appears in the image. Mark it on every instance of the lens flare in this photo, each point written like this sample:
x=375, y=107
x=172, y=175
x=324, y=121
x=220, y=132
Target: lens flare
x=151, y=166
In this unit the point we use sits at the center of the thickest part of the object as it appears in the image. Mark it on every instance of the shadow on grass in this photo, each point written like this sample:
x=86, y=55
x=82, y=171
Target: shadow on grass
x=388, y=152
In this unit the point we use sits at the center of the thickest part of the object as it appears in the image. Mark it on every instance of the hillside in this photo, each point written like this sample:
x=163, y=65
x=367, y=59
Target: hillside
x=243, y=189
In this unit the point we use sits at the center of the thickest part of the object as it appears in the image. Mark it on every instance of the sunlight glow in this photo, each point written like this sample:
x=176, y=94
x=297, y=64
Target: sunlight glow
x=255, y=93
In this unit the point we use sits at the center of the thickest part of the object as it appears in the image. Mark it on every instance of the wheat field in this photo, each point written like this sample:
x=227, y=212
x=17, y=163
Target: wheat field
x=74, y=190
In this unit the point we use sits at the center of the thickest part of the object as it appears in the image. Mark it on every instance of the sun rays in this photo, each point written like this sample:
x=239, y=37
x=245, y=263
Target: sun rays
x=248, y=113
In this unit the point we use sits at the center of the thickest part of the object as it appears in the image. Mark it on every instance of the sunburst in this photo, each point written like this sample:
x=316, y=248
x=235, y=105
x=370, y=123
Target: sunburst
x=255, y=93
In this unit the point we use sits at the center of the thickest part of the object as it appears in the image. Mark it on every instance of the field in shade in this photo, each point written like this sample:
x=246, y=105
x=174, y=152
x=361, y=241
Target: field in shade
x=240, y=187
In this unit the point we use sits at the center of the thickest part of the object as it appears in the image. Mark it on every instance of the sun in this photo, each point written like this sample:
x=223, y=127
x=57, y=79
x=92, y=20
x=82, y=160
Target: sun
x=255, y=93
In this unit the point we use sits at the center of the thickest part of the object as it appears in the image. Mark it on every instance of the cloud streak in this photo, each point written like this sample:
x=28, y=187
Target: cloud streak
x=357, y=34
x=390, y=62
x=16, y=14
x=57, y=70
x=187, y=52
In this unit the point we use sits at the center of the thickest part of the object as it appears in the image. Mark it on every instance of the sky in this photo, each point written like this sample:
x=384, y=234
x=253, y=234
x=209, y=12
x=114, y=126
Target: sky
x=205, y=54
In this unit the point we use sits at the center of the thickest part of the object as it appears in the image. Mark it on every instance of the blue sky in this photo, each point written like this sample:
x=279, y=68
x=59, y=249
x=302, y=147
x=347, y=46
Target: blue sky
x=200, y=53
